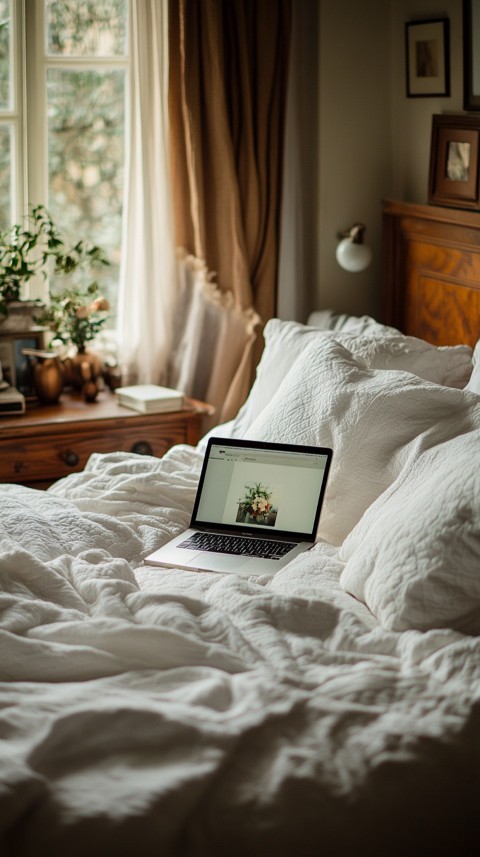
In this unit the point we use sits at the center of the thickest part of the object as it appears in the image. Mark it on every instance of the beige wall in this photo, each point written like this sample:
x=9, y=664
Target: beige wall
x=361, y=140
x=355, y=158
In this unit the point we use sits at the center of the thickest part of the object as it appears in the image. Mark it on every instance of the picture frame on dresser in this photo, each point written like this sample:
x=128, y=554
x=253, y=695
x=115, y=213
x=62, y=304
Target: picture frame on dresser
x=7, y=361
x=16, y=366
x=454, y=161
x=427, y=58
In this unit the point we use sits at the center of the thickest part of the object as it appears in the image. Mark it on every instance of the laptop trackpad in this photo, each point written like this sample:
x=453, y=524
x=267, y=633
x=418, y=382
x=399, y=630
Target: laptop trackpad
x=219, y=562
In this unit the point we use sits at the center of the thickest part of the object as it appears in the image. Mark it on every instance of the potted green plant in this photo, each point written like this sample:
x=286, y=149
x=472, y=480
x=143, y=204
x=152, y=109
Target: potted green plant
x=36, y=248
x=75, y=317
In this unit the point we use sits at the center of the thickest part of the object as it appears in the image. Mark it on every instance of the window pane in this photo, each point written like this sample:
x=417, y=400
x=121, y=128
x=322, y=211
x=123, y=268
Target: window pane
x=86, y=157
x=92, y=28
x=5, y=177
x=4, y=54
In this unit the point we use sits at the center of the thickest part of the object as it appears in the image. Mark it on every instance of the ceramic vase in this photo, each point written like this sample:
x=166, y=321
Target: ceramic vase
x=83, y=371
x=48, y=379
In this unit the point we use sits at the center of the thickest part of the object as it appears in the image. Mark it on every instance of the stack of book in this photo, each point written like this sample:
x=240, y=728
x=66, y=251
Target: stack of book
x=11, y=401
x=150, y=398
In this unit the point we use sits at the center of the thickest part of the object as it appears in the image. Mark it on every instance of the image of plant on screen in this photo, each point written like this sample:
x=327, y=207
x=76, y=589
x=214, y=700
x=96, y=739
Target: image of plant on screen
x=255, y=507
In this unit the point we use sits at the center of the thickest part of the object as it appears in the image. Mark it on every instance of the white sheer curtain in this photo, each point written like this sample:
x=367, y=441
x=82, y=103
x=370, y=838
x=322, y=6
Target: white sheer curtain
x=212, y=342
x=147, y=275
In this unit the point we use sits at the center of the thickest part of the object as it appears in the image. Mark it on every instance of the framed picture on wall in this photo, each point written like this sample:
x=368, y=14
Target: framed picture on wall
x=427, y=47
x=454, y=153
x=471, y=54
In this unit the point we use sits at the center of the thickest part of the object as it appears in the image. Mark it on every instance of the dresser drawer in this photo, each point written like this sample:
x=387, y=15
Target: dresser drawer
x=51, y=441
x=39, y=459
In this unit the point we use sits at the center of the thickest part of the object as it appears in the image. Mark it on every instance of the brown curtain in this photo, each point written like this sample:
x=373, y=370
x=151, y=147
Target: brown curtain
x=228, y=63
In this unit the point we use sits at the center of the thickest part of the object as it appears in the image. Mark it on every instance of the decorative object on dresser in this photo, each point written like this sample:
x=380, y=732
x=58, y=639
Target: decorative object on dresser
x=49, y=442
x=48, y=374
x=11, y=401
x=36, y=248
x=150, y=398
x=74, y=318
x=431, y=272
x=17, y=368
x=83, y=372
x=454, y=161
x=20, y=315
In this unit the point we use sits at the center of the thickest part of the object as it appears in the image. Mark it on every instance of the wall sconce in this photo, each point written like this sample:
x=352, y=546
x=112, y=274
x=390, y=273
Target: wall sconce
x=352, y=254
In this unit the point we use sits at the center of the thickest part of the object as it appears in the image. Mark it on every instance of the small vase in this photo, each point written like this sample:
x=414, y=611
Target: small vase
x=83, y=372
x=48, y=379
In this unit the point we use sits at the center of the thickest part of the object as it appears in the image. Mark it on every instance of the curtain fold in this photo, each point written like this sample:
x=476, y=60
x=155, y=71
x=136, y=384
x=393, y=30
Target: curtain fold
x=148, y=269
x=227, y=101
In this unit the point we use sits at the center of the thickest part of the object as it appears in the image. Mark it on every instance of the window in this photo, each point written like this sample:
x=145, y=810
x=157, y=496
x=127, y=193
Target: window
x=8, y=116
x=62, y=117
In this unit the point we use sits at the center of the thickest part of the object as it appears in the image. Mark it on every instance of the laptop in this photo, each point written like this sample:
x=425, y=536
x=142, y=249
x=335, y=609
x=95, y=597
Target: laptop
x=257, y=506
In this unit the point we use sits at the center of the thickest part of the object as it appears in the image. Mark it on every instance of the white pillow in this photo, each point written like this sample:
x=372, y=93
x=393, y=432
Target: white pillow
x=476, y=353
x=414, y=558
x=285, y=341
x=368, y=417
x=328, y=319
x=473, y=385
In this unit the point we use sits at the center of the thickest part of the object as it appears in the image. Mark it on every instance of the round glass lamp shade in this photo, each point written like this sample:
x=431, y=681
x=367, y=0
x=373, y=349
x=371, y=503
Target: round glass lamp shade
x=353, y=256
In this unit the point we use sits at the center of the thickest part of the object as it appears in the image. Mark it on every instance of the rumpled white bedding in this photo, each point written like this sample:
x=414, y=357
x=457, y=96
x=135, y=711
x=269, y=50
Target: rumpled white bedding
x=164, y=712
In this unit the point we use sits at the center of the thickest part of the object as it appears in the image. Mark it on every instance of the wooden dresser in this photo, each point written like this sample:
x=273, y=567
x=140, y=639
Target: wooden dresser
x=431, y=272
x=51, y=441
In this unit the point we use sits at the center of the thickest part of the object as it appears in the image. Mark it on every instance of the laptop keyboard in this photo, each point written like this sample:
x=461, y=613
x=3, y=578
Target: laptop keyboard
x=237, y=545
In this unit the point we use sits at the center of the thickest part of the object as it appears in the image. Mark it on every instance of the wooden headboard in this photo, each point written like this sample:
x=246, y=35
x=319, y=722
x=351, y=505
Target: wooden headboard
x=431, y=272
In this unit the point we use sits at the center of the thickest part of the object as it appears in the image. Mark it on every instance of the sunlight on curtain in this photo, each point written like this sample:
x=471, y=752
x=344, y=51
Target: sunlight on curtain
x=212, y=341
x=147, y=276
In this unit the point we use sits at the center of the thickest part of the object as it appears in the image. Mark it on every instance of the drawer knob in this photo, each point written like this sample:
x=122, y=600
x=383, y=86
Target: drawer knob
x=142, y=447
x=71, y=458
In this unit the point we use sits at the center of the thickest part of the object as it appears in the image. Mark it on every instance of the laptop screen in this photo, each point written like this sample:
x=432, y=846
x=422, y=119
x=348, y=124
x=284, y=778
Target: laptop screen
x=276, y=489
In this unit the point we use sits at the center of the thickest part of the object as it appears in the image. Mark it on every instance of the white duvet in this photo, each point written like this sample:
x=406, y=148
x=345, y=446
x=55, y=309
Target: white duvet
x=164, y=712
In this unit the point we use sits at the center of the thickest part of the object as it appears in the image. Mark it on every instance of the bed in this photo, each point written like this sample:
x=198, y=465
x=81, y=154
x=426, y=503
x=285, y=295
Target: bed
x=331, y=709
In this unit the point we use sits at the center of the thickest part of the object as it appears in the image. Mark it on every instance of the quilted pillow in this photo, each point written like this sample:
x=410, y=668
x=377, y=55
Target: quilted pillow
x=285, y=341
x=369, y=417
x=474, y=382
x=414, y=558
x=328, y=319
